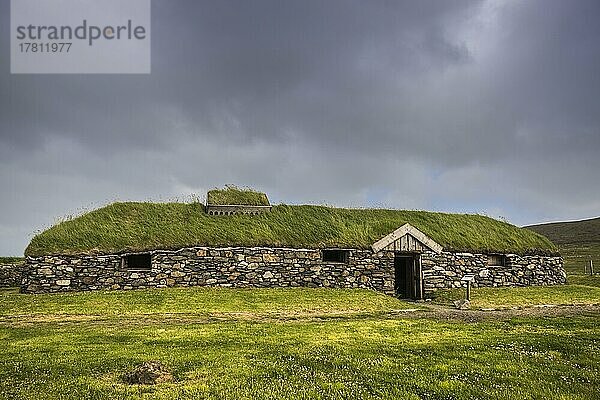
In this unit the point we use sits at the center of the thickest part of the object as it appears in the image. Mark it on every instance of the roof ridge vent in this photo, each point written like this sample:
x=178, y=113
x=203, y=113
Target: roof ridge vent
x=232, y=200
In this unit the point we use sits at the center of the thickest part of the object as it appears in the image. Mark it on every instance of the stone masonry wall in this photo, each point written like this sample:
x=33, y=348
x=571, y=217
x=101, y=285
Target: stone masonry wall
x=224, y=267
x=10, y=274
x=280, y=267
x=444, y=271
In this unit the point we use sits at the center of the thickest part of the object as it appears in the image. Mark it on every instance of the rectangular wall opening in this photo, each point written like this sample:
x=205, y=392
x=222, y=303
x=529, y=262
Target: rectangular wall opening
x=138, y=261
x=496, y=260
x=335, y=256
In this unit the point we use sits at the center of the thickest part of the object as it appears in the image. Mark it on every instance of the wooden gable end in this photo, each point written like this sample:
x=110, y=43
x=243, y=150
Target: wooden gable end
x=406, y=243
x=407, y=238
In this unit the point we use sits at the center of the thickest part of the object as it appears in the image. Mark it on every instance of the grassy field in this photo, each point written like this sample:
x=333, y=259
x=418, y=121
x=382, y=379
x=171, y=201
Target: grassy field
x=143, y=226
x=579, y=292
x=578, y=255
x=206, y=302
x=238, y=344
x=585, y=280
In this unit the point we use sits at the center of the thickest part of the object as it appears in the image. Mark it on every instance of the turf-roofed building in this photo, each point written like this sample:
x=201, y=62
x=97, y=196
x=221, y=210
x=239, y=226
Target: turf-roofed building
x=239, y=240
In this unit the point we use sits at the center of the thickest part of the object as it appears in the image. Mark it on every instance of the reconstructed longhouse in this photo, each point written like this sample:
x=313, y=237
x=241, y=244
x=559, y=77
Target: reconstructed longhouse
x=239, y=240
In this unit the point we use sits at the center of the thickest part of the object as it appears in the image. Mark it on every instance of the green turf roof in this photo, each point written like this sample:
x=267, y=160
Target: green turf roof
x=232, y=195
x=123, y=227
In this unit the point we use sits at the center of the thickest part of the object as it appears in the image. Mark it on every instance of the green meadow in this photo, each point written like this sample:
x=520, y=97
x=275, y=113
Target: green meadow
x=578, y=292
x=288, y=344
x=577, y=257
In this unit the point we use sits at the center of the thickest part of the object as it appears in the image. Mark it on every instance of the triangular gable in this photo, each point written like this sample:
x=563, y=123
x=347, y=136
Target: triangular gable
x=404, y=235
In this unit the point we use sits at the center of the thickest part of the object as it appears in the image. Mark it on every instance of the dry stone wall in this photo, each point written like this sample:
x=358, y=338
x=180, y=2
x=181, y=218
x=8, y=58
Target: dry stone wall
x=444, y=270
x=224, y=267
x=10, y=274
x=280, y=267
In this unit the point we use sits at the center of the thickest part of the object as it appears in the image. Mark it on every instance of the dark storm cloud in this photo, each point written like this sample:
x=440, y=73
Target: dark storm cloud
x=461, y=106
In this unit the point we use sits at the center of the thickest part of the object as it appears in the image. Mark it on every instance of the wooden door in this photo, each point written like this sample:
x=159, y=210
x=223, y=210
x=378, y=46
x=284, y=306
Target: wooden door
x=407, y=276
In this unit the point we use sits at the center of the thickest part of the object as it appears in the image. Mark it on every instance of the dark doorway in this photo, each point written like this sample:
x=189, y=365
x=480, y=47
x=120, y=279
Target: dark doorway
x=407, y=274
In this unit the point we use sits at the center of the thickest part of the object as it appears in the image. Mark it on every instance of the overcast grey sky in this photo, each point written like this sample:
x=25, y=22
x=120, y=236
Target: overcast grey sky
x=486, y=107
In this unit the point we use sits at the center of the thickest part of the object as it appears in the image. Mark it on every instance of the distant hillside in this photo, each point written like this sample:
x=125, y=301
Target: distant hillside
x=586, y=231
x=578, y=241
x=11, y=260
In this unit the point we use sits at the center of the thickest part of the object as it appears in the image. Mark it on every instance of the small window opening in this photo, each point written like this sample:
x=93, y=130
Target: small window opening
x=337, y=256
x=138, y=261
x=496, y=260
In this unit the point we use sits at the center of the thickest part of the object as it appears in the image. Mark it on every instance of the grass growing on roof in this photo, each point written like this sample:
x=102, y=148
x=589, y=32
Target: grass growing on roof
x=123, y=227
x=233, y=195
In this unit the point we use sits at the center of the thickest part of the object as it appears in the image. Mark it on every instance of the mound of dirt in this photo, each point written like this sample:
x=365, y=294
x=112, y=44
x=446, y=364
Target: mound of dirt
x=149, y=373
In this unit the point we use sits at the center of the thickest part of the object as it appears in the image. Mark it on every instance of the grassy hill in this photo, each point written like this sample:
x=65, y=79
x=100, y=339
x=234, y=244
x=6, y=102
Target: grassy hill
x=11, y=260
x=585, y=231
x=579, y=241
x=122, y=227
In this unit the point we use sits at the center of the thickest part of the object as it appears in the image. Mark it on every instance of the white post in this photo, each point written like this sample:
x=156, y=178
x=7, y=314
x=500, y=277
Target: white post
x=468, y=290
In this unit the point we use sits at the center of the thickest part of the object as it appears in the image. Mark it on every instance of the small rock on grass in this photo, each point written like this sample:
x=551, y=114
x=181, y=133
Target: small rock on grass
x=149, y=373
x=462, y=304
